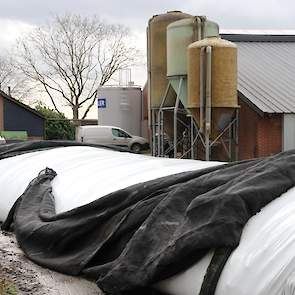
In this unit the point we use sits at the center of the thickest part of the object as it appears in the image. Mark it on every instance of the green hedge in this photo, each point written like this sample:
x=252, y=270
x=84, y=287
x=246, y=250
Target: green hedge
x=57, y=126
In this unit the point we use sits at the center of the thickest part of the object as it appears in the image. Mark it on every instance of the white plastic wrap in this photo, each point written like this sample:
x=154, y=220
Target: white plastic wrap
x=188, y=282
x=84, y=173
x=263, y=264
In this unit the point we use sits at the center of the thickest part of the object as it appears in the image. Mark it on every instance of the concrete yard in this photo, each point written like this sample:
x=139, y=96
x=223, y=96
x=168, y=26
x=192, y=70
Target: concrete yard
x=20, y=276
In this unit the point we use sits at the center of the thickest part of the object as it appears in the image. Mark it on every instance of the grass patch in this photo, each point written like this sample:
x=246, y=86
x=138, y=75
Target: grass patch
x=7, y=288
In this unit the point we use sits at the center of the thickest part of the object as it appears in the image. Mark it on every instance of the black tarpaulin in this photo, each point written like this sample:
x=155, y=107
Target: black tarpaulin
x=14, y=149
x=134, y=237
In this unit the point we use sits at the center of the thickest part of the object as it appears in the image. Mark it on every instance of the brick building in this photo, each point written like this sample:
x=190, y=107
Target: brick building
x=16, y=116
x=266, y=90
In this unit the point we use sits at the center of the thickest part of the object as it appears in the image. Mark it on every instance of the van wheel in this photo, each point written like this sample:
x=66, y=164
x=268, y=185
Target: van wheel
x=136, y=148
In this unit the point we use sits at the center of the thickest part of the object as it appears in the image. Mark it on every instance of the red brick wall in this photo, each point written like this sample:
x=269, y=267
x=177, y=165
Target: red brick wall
x=248, y=121
x=1, y=114
x=259, y=136
x=269, y=135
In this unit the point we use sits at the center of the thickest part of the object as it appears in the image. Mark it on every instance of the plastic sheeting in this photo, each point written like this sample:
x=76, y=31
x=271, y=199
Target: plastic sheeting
x=263, y=263
x=188, y=282
x=84, y=173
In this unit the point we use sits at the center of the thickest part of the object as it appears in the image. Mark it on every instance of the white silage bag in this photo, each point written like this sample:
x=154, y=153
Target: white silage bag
x=84, y=174
x=263, y=263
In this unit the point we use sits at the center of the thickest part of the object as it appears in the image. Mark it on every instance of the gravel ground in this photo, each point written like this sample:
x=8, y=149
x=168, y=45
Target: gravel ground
x=20, y=276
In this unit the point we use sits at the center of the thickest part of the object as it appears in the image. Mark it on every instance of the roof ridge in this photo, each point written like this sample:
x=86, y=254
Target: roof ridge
x=258, y=37
x=21, y=104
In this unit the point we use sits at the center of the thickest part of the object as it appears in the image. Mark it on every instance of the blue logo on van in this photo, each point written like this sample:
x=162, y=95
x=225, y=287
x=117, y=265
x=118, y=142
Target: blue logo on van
x=101, y=103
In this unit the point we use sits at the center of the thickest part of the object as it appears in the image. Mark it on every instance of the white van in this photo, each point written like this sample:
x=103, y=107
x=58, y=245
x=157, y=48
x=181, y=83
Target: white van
x=111, y=135
x=2, y=140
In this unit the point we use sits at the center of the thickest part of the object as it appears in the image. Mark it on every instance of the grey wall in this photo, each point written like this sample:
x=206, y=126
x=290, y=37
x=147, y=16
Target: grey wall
x=123, y=108
x=289, y=132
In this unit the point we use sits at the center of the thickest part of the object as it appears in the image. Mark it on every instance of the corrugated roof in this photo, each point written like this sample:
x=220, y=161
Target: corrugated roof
x=266, y=71
x=257, y=32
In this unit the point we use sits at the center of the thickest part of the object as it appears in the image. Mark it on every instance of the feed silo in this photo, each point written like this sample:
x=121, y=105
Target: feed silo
x=180, y=35
x=222, y=75
x=157, y=67
x=212, y=90
x=157, y=52
x=120, y=107
x=198, y=88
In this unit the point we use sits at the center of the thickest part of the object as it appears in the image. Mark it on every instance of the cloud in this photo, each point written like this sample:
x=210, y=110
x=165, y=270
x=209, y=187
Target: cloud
x=251, y=14
x=135, y=13
x=18, y=16
x=11, y=30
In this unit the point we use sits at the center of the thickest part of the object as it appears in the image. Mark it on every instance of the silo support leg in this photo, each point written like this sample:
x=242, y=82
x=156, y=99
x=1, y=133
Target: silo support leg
x=161, y=122
x=192, y=137
x=153, y=121
x=175, y=116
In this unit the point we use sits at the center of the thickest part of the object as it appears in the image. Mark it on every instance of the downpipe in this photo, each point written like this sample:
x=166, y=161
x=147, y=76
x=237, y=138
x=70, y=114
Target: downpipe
x=208, y=100
x=202, y=88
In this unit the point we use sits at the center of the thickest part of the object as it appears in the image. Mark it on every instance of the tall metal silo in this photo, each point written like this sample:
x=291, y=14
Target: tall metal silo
x=157, y=52
x=212, y=86
x=177, y=114
x=157, y=65
x=121, y=107
x=180, y=35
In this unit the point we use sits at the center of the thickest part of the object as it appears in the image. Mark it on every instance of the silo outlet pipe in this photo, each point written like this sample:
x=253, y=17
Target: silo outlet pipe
x=202, y=84
x=197, y=28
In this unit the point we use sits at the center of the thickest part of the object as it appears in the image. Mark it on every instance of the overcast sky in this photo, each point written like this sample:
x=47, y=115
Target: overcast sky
x=17, y=16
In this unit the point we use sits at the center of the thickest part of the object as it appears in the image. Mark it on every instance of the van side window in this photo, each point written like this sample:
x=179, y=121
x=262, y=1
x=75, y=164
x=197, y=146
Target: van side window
x=115, y=132
x=124, y=134
x=120, y=133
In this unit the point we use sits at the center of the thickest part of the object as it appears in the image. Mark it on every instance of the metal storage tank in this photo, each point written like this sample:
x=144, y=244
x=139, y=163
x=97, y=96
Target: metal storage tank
x=157, y=61
x=121, y=107
x=223, y=81
x=180, y=35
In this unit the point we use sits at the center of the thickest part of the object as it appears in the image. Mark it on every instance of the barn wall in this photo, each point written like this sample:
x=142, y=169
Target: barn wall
x=259, y=136
x=17, y=118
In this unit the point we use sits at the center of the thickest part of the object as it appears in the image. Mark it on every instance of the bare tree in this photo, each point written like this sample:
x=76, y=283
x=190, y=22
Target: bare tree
x=73, y=55
x=6, y=73
x=11, y=78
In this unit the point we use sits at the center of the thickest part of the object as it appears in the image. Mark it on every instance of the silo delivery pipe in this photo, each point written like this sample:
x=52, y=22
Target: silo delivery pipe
x=202, y=82
x=208, y=99
x=199, y=25
x=199, y=21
